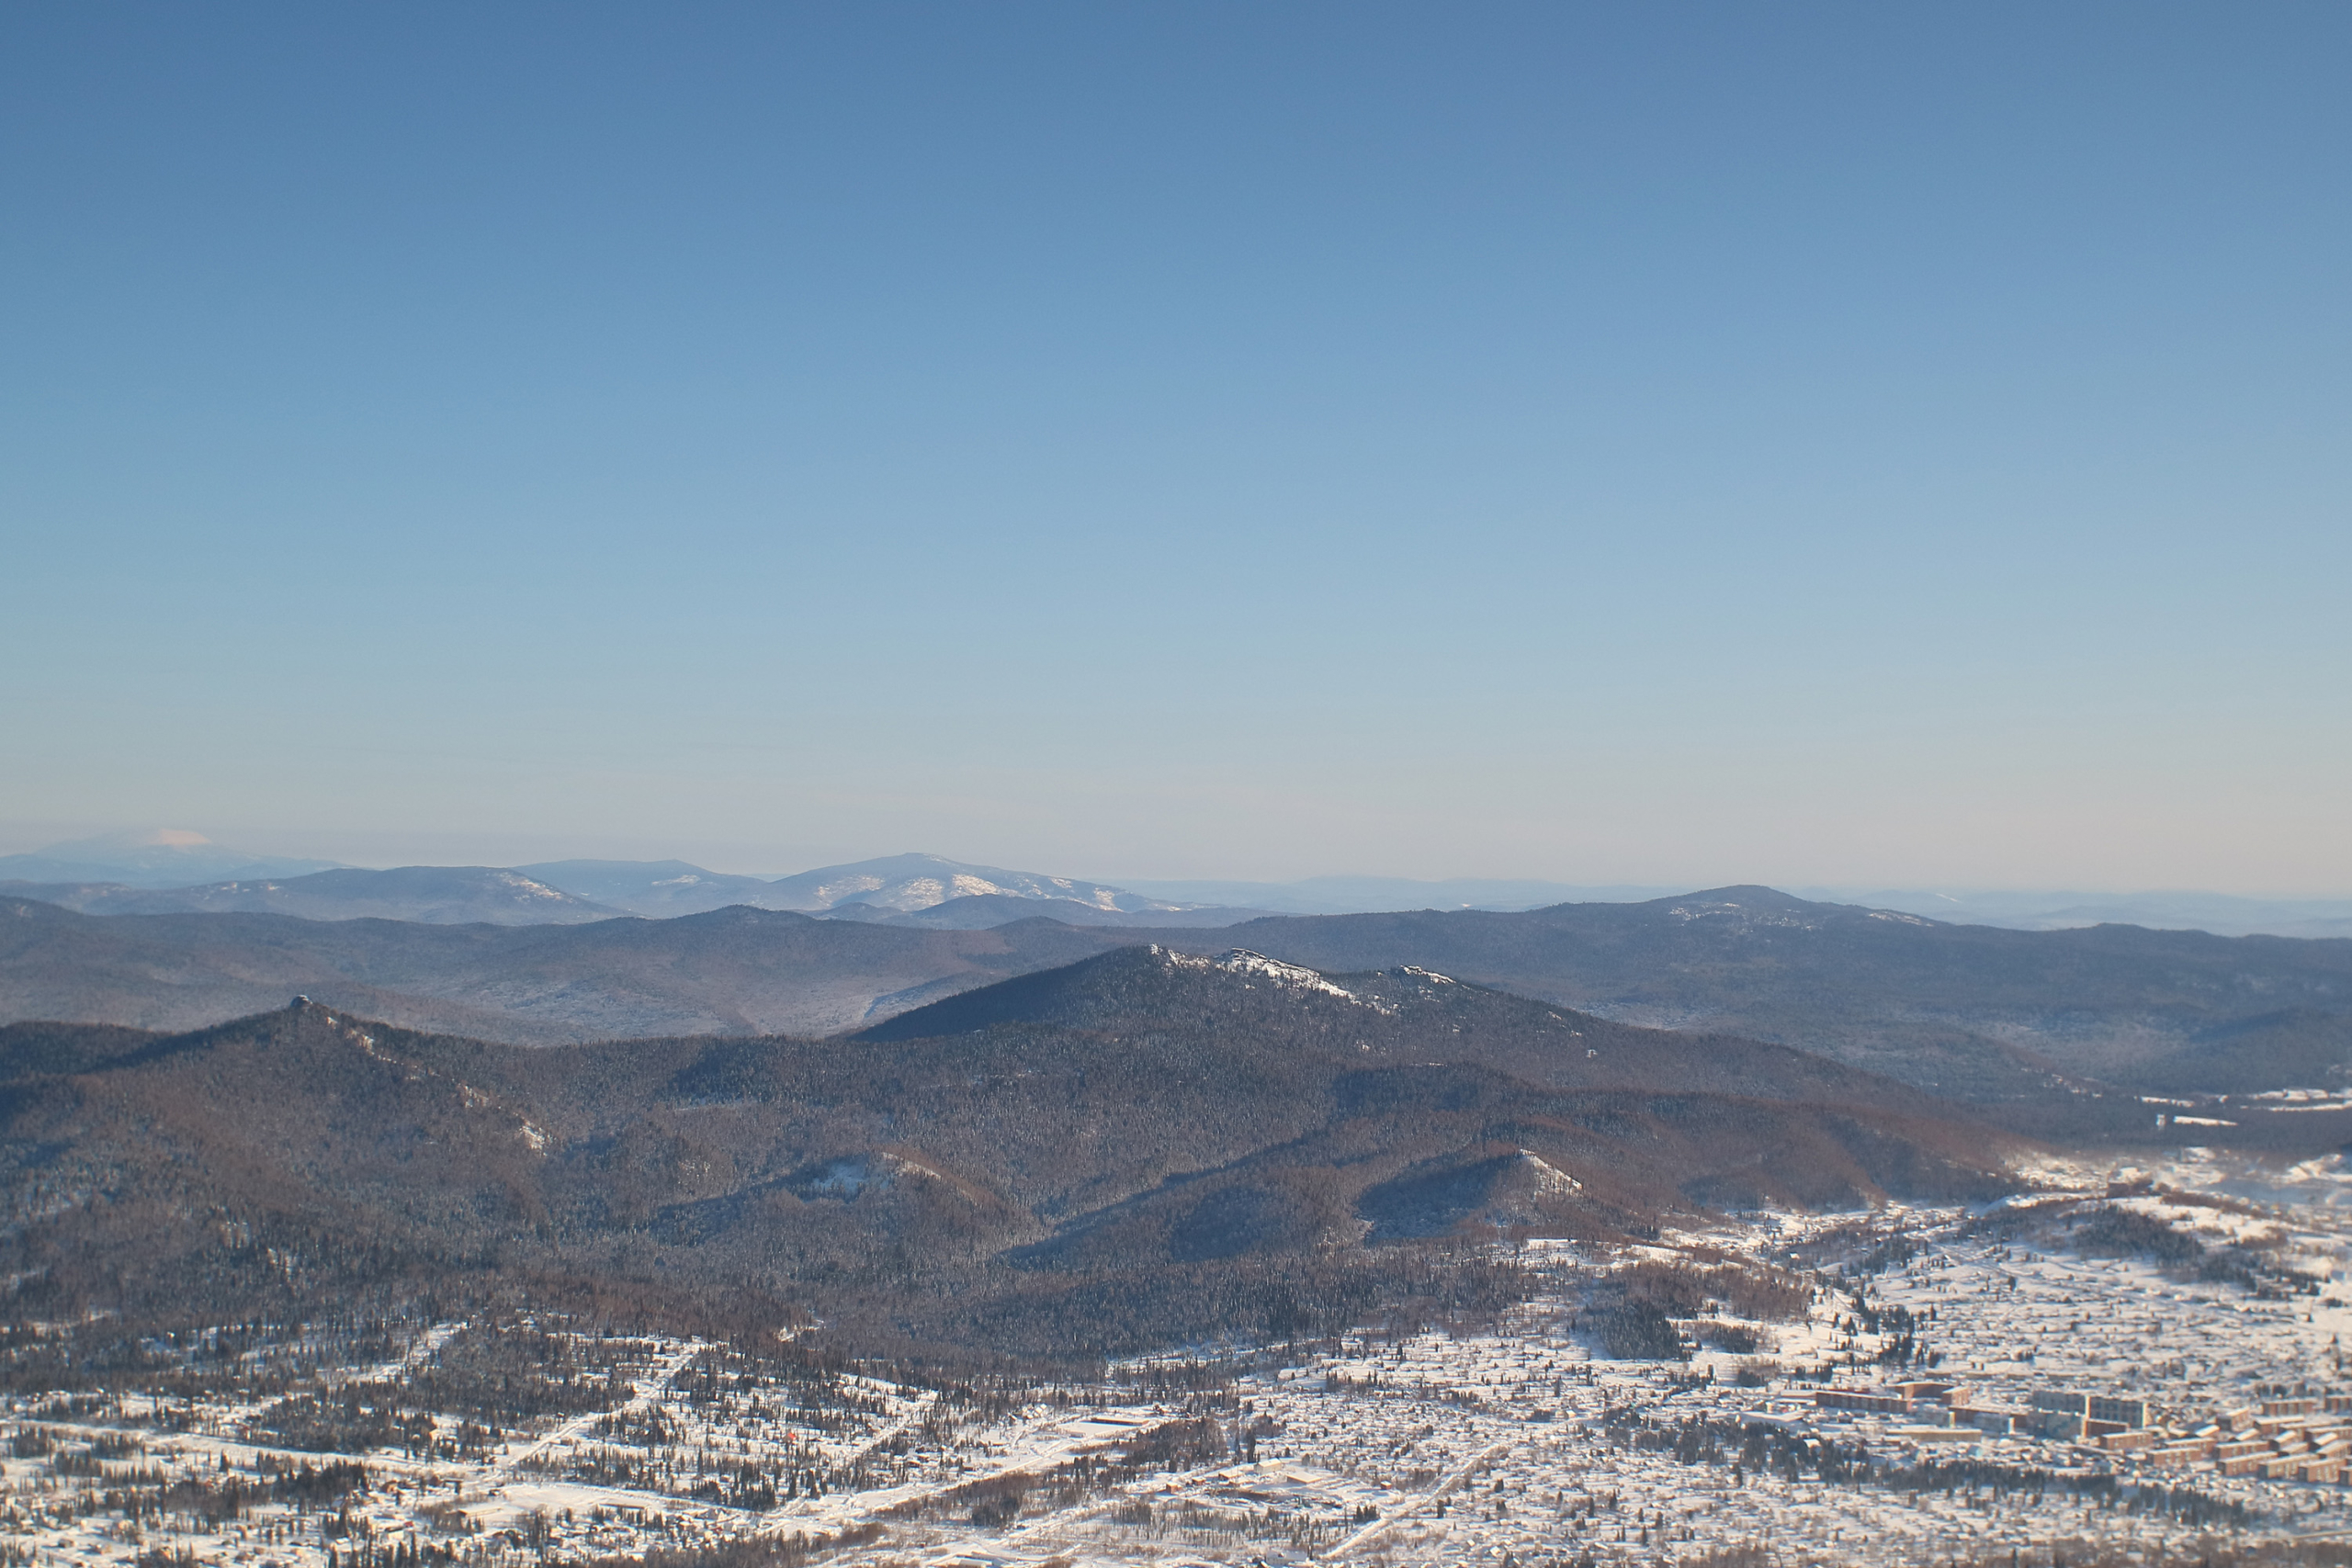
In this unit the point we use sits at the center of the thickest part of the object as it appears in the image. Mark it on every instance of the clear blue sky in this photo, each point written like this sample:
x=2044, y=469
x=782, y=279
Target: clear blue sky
x=1641, y=441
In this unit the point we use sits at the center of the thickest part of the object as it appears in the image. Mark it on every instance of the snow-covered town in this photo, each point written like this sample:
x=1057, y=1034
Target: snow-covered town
x=2123, y=1360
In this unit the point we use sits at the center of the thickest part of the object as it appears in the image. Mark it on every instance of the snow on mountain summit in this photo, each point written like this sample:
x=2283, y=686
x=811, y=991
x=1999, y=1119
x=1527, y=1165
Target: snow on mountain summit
x=1241, y=961
x=1253, y=967
x=891, y=885
x=905, y=882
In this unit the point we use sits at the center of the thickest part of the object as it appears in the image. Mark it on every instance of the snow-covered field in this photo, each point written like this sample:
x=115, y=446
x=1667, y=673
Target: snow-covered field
x=1520, y=1444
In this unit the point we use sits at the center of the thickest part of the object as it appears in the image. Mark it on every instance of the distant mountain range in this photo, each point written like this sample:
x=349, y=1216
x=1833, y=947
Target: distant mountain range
x=434, y=895
x=172, y=871
x=1368, y=894
x=733, y=971
x=2222, y=914
x=161, y=857
x=2219, y=913
x=922, y=890
x=869, y=889
x=981, y=911
x=1978, y=1013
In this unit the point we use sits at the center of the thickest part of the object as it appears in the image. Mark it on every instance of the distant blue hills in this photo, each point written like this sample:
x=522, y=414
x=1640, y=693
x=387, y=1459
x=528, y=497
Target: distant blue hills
x=176, y=871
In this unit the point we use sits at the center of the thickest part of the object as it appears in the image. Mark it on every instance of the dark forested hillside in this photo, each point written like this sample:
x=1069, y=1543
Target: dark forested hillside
x=1406, y=1014
x=1193, y=1147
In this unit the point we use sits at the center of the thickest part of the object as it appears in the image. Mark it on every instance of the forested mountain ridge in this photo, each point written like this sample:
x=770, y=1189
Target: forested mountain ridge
x=732, y=971
x=1028, y=1184
x=1404, y=1014
x=1972, y=1011
x=1982, y=1014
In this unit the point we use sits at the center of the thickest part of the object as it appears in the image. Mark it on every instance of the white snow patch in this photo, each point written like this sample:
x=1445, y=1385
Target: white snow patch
x=1258, y=967
x=1547, y=1177
x=1241, y=961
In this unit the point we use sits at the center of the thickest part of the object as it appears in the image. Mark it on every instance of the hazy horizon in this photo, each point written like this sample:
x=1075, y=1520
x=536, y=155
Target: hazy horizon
x=24, y=839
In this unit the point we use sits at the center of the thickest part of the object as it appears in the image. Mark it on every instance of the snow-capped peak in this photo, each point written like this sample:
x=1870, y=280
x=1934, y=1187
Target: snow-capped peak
x=1254, y=966
x=1241, y=961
